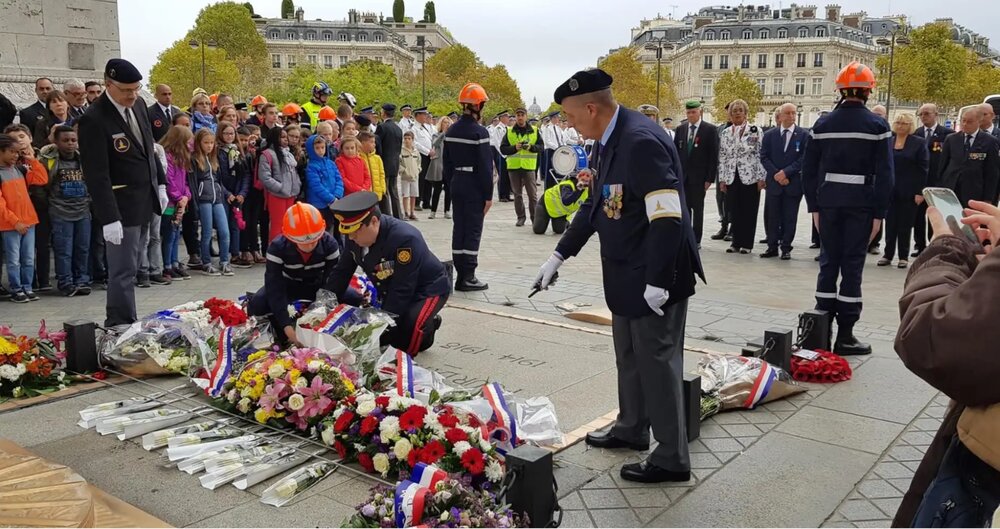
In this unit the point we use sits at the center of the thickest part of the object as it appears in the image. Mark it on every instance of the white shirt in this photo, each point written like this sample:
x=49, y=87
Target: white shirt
x=121, y=109
x=989, y=130
x=496, y=138
x=611, y=126
x=965, y=136
x=422, y=139
x=406, y=124
x=693, y=129
x=166, y=111
x=788, y=139
x=559, y=135
x=572, y=136
x=549, y=140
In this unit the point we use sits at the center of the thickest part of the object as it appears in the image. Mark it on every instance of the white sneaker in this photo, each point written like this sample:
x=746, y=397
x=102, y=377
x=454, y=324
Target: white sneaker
x=447, y=214
x=210, y=270
x=433, y=215
x=227, y=270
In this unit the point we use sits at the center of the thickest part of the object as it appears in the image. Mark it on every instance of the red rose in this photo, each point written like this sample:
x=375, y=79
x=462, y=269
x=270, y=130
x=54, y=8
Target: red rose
x=368, y=425
x=343, y=422
x=365, y=460
x=100, y=375
x=455, y=435
x=352, y=400
x=432, y=451
x=472, y=460
x=448, y=420
x=382, y=401
x=340, y=448
x=412, y=418
x=414, y=457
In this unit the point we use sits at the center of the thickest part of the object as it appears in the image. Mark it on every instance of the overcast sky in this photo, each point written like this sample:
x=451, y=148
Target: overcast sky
x=541, y=42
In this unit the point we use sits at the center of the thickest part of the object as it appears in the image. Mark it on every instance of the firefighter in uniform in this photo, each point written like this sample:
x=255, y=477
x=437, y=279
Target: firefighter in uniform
x=468, y=164
x=847, y=176
x=299, y=263
x=320, y=94
x=411, y=283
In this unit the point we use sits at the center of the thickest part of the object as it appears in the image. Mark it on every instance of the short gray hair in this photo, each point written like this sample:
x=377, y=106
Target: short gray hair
x=73, y=84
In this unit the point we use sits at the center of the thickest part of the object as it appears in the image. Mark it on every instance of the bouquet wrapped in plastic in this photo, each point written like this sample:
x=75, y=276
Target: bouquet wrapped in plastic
x=732, y=382
x=290, y=486
x=338, y=328
x=227, y=353
x=157, y=345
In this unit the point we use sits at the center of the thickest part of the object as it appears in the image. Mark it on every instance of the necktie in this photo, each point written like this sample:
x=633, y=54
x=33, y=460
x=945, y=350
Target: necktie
x=132, y=124
x=968, y=142
x=784, y=136
x=166, y=112
x=928, y=132
x=691, y=134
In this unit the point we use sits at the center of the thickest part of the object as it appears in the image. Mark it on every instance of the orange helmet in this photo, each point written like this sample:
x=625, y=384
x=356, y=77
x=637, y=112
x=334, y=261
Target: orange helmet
x=326, y=113
x=290, y=109
x=258, y=100
x=303, y=223
x=472, y=94
x=213, y=98
x=856, y=75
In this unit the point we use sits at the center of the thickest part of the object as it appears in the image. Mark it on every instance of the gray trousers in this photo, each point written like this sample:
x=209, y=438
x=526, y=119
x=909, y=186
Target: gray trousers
x=151, y=260
x=649, y=353
x=123, y=263
x=523, y=179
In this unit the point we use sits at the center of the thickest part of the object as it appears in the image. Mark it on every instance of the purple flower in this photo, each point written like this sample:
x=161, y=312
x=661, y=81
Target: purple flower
x=368, y=510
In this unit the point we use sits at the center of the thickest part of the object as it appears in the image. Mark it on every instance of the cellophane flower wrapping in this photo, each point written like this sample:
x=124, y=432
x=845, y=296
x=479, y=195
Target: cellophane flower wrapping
x=295, y=388
x=30, y=366
x=735, y=382
x=426, y=383
x=160, y=344
x=226, y=352
x=287, y=488
x=336, y=328
x=388, y=434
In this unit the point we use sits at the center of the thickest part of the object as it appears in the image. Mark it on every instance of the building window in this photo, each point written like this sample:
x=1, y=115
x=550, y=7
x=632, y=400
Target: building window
x=818, y=59
x=745, y=62
x=362, y=37
x=723, y=62
x=867, y=28
x=817, y=86
x=803, y=33
x=765, y=34
x=343, y=60
x=710, y=35
x=708, y=62
x=275, y=60
x=707, y=86
x=762, y=60
x=362, y=58
x=800, y=60
x=378, y=37
x=762, y=86
x=291, y=35
x=328, y=61
x=782, y=33
x=779, y=87
x=820, y=32
x=800, y=86
x=747, y=34
x=344, y=37
x=725, y=35
x=310, y=35
x=779, y=60
x=327, y=35
x=275, y=35
x=291, y=61
x=311, y=59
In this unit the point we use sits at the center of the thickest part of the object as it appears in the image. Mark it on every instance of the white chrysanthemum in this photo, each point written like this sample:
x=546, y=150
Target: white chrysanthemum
x=365, y=408
x=389, y=429
x=494, y=472
x=61, y=376
x=432, y=423
x=18, y=392
x=366, y=395
x=485, y=445
x=402, y=448
x=296, y=402
x=276, y=370
x=244, y=405
x=12, y=373
x=461, y=447
x=381, y=462
x=327, y=435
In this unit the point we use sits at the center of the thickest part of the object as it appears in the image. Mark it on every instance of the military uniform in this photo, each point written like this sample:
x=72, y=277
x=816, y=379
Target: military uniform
x=847, y=177
x=468, y=165
x=290, y=276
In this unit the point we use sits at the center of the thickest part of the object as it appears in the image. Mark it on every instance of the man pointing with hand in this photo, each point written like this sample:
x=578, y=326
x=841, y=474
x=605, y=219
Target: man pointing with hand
x=649, y=259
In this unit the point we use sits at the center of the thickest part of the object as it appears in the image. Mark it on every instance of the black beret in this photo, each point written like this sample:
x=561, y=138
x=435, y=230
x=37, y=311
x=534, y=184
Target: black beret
x=363, y=121
x=583, y=82
x=122, y=71
x=388, y=107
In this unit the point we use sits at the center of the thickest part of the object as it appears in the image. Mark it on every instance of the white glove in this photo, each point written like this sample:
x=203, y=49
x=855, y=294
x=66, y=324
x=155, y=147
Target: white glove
x=548, y=270
x=656, y=297
x=161, y=192
x=114, y=232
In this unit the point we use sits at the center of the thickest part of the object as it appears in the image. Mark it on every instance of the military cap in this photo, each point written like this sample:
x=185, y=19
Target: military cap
x=583, y=82
x=363, y=121
x=453, y=114
x=552, y=114
x=407, y=106
x=649, y=110
x=533, y=120
x=240, y=106
x=368, y=110
x=421, y=110
x=668, y=119
x=388, y=107
x=504, y=113
x=353, y=210
x=692, y=104
x=122, y=71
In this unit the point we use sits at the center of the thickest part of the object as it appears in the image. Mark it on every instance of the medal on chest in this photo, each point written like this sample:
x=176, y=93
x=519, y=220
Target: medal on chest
x=384, y=270
x=611, y=199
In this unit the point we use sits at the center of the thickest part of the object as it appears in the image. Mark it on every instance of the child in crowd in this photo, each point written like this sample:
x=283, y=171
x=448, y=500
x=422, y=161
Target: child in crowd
x=350, y=130
x=234, y=173
x=69, y=209
x=325, y=130
x=39, y=201
x=325, y=182
x=178, y=155
x=276, y=173
x=17, y=216
x=295, y=145
x=376, y=169
x=353, y=169
x=212, y=198
x=254, y=235
x=409, y=171
x=201, y=113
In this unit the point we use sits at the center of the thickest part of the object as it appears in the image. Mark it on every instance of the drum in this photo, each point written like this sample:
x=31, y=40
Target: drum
x=569, y=159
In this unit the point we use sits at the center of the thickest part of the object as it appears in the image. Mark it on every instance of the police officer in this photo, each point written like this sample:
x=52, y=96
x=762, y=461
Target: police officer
x=310, y=111
x=406, y=122
x=468, y=165
x=124, y=179
x=410, y=281
x=847, y=176
x=649, y=259
x=299, y=263
x=650, y=111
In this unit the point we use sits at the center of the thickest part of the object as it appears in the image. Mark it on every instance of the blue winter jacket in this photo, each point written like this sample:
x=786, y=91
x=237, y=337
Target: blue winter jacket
x=324, y=181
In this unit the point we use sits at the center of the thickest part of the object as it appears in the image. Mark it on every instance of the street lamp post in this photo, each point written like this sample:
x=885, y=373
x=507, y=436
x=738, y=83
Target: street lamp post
x=657, y=43
x=798, y=109
x=897, y=36
x=422, y=42
x=195, y=44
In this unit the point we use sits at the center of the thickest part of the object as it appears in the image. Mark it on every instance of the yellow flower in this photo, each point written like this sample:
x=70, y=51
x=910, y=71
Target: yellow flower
x=349, y=385
x=7, y=348
x=293, y=375
x=262, y=415
x=256, y=356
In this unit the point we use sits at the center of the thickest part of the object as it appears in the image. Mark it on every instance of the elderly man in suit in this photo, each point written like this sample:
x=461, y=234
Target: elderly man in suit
x=76, y=96
x=697, y=143
x=933, y=135
x=162, y=111
x=970, y=160
x=32, y=114
x=781, y=154
x=124, y=178
x=649, y=258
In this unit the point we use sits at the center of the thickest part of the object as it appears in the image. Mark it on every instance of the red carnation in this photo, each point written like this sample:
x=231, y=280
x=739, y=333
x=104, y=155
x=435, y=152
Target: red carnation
x=368, y=425
x=472, y=460
x=412, y=418
x=343, y=422
x=448, y=420
x=365, y=460
x=340, y=448
x=351, y=399
x=414, y=457
x=455, y=435
x=432, y=451
x=100, y=375
x=382, y=401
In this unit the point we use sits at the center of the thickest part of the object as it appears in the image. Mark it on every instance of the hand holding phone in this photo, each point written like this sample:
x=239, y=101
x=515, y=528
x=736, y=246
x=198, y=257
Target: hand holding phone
x=945, y=201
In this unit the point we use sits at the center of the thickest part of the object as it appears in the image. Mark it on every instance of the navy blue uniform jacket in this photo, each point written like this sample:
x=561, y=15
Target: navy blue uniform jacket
x=288, y=275
x=468, y=161
x=651, y=241
x=774, y=157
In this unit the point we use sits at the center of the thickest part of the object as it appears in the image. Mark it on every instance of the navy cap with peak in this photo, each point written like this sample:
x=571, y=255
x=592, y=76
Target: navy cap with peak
x=583, y=82
x=363, y=121
x=368, y=110
x=407, y=106
x=352, y=210
x=388, y=107
x=503, y=113
x=552, y=114
x=421, y=110
x=122, y=71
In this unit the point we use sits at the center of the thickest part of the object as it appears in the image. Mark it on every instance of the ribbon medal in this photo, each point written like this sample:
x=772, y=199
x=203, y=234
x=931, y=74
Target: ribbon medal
x=384, y=270
x=612, y=200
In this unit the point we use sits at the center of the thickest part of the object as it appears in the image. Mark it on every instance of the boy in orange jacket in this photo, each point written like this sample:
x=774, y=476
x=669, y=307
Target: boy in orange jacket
x=17, y=215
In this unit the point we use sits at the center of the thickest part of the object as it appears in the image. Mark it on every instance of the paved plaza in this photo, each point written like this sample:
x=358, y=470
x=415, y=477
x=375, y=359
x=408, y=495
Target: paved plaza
x=836, y=455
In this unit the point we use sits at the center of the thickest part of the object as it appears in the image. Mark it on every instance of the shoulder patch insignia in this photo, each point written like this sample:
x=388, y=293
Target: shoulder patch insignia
x=121, y=144
x=404, y=256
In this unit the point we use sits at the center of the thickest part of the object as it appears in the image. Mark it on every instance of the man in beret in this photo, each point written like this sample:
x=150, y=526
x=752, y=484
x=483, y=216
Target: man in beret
x=697, y=142
x=649, y=259
x=124, y=179
x=390, y=144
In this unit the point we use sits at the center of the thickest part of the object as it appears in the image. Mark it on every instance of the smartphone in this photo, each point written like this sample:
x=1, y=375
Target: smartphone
x=947, y=203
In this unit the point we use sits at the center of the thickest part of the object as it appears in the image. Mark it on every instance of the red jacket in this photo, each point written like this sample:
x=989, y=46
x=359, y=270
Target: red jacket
x=355, y=174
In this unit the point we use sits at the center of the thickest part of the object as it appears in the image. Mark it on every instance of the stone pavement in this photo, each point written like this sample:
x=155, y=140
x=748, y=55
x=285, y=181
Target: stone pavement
x=837, y=455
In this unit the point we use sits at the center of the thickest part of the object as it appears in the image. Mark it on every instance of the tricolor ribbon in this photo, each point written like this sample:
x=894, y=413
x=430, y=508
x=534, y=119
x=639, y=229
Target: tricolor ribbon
x=166, y=315
x=366, y=288
x=506, y=430
x=427, y=475
x=762, y=385
x=337, y=317
x=223, y=363
x=409, y=503
x=404, y=374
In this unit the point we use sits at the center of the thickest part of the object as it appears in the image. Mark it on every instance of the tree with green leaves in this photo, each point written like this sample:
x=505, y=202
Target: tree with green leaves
x=735, y=85
x=249, y=7
x=398, y=10
x=633, y=85
x=429, y=15
x=287, y=9
x=179, y=66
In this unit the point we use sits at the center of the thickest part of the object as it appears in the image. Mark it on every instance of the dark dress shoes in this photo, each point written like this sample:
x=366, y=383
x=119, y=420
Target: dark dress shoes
x=646, y=472
x=719, y=236
x=471, y=285
x=786, y=256
x=814, y=246
x=606, y=440
x=850, y=346
x=769, y=254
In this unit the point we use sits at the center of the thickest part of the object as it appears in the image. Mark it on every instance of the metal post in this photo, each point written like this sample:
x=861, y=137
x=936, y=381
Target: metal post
x=423, y=72
x=892, y=58
x=659, y=55
x=203, y=64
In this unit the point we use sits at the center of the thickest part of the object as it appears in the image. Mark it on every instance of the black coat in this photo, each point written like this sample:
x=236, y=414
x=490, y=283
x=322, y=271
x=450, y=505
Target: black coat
x=910, y=165
x=7, y=112
x=974, y=175
x=159, y=122
x=31, y=115
x=121, y=176
x=935, y=145
x=390, y=138
x=702, y=165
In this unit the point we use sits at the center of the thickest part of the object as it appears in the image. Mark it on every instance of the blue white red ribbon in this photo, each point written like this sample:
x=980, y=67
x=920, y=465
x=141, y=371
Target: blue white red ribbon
x=404, y=374
x=223, y=363
x=366, y=288
x=427, y=475
x=409, y=503
x=337, y=317
x=761, y=385
x=506, y=430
